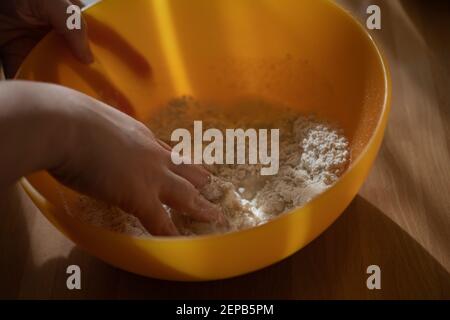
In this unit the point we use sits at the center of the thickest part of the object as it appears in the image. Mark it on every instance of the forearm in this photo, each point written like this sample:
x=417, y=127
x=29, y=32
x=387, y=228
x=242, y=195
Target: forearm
x=32, y=131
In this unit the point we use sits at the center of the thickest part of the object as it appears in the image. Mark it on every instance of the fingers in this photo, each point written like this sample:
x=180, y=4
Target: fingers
x=195, y=174
x=157, y=221
x=76, y=38
x=181, y=195
x=78, y=3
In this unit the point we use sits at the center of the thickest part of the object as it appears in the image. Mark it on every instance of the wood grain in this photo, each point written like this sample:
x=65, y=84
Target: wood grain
x=400, y=220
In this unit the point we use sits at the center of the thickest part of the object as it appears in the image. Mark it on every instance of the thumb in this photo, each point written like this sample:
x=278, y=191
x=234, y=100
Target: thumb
x=58, y=13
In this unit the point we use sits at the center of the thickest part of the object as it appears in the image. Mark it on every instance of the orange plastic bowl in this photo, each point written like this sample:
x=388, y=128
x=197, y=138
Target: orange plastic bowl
x=310, y=55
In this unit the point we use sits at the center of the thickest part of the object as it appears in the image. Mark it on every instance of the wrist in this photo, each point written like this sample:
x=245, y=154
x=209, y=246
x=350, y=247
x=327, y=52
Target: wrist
x=57, y=121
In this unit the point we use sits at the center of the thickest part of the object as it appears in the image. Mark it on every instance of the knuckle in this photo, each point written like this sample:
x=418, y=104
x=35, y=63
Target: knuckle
x=195, y=199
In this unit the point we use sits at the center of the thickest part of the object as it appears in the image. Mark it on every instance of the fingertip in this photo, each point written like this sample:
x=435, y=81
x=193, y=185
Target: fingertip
x=172, y=229
x=84, y=53
x=220, y=217
x=76, y=36
x=88, y=56
x=205, y=175
x=157, y=221
x=80, y=47
x=168, y=229
x=210, y=211
x=195, y=174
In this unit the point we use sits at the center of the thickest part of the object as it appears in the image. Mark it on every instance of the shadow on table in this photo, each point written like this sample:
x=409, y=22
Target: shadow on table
x=434, y=17
x=414, y=39
x=21, y=278
x=331, y=267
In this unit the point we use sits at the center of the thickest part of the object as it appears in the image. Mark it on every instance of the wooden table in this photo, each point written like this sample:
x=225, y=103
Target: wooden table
x=400, y=220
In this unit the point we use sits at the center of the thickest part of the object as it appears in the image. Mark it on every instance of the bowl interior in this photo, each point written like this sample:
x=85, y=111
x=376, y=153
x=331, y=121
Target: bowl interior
x=304, y=54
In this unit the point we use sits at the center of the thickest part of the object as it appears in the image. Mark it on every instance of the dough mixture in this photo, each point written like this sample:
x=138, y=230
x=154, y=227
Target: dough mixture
x=313, y=155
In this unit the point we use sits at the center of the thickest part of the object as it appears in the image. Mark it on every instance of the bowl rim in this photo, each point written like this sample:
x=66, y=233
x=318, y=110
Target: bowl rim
x=36, y=196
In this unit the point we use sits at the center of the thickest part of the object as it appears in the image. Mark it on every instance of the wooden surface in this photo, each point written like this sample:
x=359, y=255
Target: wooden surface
x=400, y=220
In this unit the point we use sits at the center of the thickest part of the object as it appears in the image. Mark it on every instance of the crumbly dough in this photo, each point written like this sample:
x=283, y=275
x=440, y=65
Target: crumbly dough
x=313, y=155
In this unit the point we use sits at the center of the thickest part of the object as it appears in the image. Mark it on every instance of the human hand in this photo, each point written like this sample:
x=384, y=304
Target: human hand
x=102, y=152
x=28, y=21
x=117, y=159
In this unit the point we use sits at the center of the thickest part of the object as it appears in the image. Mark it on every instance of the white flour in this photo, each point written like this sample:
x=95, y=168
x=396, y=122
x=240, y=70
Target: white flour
x=313, y=155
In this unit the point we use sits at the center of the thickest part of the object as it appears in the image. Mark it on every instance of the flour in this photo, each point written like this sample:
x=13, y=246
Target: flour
x=103, y=215
x=313, y=155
